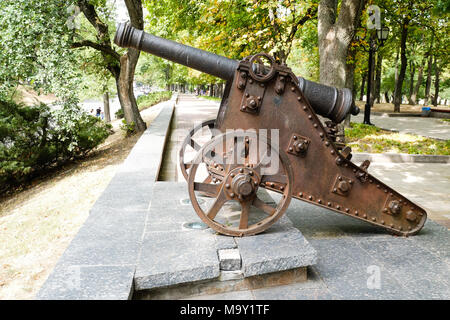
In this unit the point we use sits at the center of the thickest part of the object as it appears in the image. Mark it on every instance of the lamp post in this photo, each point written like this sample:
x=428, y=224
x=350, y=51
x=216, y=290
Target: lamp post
x=374, y=44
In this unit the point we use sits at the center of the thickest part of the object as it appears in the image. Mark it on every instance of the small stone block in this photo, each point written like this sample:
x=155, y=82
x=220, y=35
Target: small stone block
x=230, y=259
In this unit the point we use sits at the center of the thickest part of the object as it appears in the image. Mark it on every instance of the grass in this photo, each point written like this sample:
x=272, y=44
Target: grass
x=211, y=98
x=149, y=100
x=371, y=139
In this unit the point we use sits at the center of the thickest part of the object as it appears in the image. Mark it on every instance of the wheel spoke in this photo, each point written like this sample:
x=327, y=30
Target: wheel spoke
x=217, y=205
x=211, y=189
x=243, y=223
x=195, y=145
x=264, y=206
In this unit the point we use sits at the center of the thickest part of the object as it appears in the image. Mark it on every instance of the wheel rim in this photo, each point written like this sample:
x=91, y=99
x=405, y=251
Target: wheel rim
x=239, y=185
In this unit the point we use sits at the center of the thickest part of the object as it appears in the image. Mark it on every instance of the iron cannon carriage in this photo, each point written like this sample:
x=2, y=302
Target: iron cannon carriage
x=268, y=134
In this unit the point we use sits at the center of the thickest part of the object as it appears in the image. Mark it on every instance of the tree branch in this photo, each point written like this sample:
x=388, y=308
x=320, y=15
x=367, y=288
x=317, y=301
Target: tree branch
x=97, y=46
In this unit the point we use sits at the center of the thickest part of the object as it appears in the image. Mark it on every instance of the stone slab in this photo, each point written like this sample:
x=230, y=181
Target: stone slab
x=170, y=258
x=172, y=254
x=101, y=259
x=78, y=282
x=281, y=248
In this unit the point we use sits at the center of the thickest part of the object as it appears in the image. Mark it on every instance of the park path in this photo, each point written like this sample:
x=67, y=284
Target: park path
x=427, y=184
x=426, y=127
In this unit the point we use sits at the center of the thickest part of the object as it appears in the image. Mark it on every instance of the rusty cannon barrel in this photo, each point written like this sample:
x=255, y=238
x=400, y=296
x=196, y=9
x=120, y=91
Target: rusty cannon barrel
x=327, y=101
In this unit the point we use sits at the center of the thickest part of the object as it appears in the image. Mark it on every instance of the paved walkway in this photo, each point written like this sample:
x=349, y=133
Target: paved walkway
x=427, y=127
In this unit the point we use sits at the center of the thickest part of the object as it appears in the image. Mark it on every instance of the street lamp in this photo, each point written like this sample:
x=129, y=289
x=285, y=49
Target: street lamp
x=374, y=44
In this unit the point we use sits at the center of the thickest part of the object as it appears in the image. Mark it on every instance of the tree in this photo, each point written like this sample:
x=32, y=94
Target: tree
x=122, y=67
x=336, y=29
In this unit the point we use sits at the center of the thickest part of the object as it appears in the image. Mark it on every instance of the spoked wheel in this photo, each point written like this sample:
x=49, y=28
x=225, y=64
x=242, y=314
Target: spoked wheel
x=193, y=143
x=237, y=207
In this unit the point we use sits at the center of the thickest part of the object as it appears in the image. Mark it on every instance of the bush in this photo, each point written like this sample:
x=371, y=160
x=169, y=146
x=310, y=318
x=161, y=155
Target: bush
x=119, y=114
x=33, y=139
x=153, y=98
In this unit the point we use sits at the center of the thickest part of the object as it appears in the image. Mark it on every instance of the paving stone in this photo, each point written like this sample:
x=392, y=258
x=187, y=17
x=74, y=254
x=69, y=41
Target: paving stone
x=224, y=242
x=109, y=238
x=169, y=258
x=229, y=259
x=88, y=282
x=419, y=270
x=348, y=271
x=277, y=249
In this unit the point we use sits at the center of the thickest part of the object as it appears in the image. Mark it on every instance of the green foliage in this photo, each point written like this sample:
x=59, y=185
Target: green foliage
x=127, y=128
x=34, y=139
x=119, y=114
x=146, y=101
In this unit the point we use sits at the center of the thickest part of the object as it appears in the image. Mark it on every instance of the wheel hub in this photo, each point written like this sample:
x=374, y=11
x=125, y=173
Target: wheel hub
x=242, y=183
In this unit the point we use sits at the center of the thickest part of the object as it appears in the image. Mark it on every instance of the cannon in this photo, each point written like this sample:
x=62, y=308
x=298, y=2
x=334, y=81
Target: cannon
x=268, y=135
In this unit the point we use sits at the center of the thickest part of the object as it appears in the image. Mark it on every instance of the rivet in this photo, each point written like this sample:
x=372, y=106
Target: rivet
x=295, y=137
x=310, y=117
x=391, y=225
x=290, y=149
x=241, y=170
x=232, y=175
x=332, y=152
x=227, y=186
x=319, y=201
x=350, y=181
x=232, y=195
x=272, y=185
x=338, y=207
x=321, y=135
x=329, y=204
x=315, y=125
x=304, y=108
x=340, y=178
x=334, y=190
x=251, y=172
x=292, y=89
x=365, y=215
x=281, y=188
x=385, y=191
x=310, y=197
x=327, y=143
x=262, y=85
x=356, y=213
x=301, y=194
x=251, y=80
x=247, y=95
x=299, y=98
x=347, y=210
x=374, y=219
x=382, y=221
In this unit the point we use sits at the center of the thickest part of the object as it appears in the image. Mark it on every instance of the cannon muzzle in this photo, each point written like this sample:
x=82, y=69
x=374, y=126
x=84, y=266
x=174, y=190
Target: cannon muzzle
x=327, y=101
x=204, y=61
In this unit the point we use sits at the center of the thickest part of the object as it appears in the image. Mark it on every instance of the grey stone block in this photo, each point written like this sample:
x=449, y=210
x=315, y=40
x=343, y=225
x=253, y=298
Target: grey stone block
x=280, y=248
x=108, y=238
x=169, y=258
x=88, y=283
x=229, y=259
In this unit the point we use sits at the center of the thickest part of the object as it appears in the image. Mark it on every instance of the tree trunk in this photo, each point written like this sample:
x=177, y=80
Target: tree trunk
x=396, y=73
x=379, y=68
x=336, y=32
x=428, y=83
x=106, y=107
x=403, y=65
x=436, y=84
x=418, y=83
x=363, y=87
x=412, y=70
x=125, y=90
